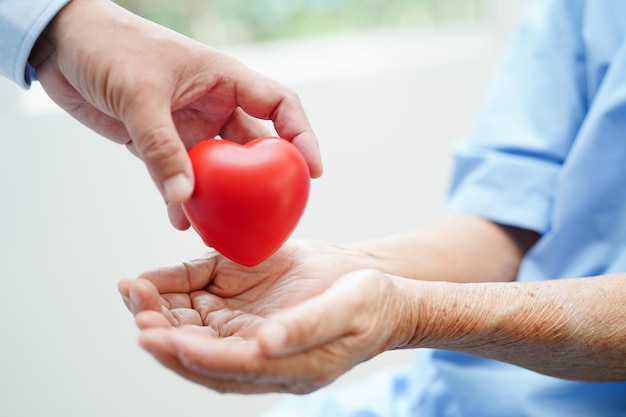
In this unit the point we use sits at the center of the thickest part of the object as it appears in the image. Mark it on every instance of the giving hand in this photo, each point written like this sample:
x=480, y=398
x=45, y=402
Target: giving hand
x=158, y=92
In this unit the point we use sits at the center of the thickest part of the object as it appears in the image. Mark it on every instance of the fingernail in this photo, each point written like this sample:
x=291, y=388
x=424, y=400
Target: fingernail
x=135, y=300
x=274, y=337
x=177, y=189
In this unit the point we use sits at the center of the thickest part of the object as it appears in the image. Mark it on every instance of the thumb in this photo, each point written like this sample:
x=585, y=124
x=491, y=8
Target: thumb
x=315, y=322
x=151, y=128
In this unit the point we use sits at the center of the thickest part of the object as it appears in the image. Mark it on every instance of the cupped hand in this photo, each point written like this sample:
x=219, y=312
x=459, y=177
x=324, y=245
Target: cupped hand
x=158, y=92
x=294, y=323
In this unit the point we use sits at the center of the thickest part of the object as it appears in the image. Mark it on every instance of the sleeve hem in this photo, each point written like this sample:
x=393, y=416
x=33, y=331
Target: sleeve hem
x=24, y=25
x=510, y=189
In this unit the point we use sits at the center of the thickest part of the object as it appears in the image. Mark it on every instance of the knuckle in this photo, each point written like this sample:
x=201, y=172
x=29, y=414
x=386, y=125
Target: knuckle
x=289, y=99
x=157, y=145
x=290, y=96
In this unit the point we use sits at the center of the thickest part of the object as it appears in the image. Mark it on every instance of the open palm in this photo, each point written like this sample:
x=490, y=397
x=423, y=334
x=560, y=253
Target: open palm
x=226, y=298
x=294, y=323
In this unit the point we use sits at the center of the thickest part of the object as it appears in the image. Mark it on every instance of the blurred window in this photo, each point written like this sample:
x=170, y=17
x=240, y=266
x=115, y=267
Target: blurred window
x=237, y=21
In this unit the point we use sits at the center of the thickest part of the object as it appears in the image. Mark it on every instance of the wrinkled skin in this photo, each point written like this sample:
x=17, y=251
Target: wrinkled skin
x=223, y=325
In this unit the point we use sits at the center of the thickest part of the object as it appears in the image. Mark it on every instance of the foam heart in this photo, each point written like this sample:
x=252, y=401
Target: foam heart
x=248, y=199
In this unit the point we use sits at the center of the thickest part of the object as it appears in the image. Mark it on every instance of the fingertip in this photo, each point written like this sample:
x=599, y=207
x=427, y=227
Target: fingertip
x=314, y=162
x=136, y=298
x=151, y=319
x=308, y=145
x=177, y=216
x=177, y=189
x=316, y=169
x=149, y=339
x=123, y=286
x=143, y=296
x=272, y=338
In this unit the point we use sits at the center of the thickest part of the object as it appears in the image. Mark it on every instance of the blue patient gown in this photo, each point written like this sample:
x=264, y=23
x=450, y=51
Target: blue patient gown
x=548, y=153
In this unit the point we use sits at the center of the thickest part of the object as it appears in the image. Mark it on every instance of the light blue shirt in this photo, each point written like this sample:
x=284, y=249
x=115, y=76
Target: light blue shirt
x=548, y=153
x=21, y=23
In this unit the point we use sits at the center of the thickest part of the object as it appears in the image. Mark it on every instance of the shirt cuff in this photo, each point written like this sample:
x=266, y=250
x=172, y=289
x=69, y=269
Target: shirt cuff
x=507, y=188
x=22, y=23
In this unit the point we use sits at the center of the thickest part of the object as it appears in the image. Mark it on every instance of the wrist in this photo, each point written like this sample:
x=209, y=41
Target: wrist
x=406, y=300
x=380, y=255
x=445, y=315
x=45, y=44
x=49, y=38
x=346, y=257
x=43, y=48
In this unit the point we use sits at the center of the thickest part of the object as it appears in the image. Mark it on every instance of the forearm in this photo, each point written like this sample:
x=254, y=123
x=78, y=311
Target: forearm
x=570, y=328
x=456, y=249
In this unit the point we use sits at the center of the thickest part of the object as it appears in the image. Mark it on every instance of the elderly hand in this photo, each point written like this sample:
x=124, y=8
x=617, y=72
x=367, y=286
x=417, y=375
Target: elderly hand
x=291, y=324
x=159, y=92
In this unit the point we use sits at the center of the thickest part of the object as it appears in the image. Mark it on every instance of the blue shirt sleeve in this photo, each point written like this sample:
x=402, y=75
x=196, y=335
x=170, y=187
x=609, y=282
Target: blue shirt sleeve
x=21, y=23
x=507, y=168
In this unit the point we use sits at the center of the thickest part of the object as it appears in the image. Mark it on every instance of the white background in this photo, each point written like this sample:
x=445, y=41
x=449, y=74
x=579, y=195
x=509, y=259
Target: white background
x=78, y=212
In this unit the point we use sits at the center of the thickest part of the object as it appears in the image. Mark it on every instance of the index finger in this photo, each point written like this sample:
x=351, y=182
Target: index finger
x=182, y=277
x=264, y=98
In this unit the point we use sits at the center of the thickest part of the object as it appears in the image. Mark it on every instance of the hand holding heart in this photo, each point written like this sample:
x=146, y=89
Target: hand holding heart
x=160, y=93
x=248, y=198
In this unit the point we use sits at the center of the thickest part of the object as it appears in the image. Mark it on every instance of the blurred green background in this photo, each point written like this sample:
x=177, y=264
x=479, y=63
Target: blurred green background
x=238, y=21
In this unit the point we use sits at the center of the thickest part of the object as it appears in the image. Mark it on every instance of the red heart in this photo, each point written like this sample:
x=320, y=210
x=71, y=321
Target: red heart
x=248, y=198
